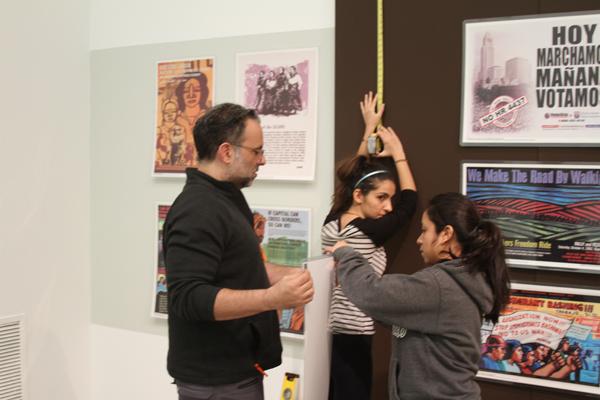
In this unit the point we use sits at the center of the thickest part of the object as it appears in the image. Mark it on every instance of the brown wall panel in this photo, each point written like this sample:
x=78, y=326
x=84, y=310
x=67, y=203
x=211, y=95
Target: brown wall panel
x=423, y=74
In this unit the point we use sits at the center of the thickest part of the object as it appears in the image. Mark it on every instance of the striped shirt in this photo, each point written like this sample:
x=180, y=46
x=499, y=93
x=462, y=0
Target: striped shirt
x=366, y=236
x=344, y=316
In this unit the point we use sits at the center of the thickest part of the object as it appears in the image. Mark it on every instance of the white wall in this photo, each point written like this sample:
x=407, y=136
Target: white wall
x=44, y=199
x=117, y=23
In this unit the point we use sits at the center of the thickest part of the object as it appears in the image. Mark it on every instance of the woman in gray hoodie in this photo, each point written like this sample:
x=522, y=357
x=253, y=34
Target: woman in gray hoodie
x=436, y=313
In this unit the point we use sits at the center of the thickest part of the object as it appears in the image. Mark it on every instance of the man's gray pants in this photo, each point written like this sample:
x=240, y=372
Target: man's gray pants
x=248, y=389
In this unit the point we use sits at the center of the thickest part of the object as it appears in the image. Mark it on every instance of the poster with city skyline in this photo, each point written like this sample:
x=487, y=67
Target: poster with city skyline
x=531, y=81
x=549, y=214
x=284, y=238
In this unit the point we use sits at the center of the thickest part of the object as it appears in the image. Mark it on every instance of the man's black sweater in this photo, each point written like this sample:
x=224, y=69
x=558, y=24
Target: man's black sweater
x=209, y=244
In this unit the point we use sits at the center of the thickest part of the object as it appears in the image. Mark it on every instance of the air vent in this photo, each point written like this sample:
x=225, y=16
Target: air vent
x=11, y=358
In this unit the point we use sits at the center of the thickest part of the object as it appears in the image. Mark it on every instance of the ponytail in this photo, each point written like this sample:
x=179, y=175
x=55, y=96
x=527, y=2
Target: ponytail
x=481, y=242
x=484, y=251
x=356, y=173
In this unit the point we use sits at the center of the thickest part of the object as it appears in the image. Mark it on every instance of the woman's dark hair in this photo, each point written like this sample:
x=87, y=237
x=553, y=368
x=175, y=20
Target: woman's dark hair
x=352, y=174
x=481, y=242
x=204, y=91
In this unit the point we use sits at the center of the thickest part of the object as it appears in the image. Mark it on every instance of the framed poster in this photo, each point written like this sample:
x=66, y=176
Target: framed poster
x=282, y=87
x=284, y=238
x=159, y=289
x=184, y=91
x=531, y=81
x=547, y=336
x=549, y=214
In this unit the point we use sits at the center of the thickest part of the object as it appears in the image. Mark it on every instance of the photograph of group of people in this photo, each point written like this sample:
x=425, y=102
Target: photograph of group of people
x=185, y=92
x=276, y=84
x=277, y=91
x=281, y=86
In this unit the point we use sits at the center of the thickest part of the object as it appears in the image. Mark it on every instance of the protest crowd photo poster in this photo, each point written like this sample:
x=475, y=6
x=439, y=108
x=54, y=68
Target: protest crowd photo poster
x=547, y=336
x=549, y=214
x=531, y=81
x=282, y=87
x=283, y=236
x=184, y=91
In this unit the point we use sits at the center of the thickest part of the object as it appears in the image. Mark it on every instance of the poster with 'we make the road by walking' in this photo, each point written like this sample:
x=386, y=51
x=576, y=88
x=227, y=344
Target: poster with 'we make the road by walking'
x=549, y=214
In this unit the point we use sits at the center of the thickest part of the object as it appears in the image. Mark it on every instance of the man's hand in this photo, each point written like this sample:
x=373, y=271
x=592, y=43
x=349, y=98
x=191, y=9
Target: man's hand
x=294, y=289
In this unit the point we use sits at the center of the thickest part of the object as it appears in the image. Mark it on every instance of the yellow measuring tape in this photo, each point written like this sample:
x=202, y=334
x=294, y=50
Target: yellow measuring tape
x=379, y=54
x=374, y=143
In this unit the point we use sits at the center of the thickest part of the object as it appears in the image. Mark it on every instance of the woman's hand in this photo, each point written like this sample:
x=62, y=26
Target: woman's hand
x=392, y=147
x=371, y=119
x=332, y=249
x=370, y=116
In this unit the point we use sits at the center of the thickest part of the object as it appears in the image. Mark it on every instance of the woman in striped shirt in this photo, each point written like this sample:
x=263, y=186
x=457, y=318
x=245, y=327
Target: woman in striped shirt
x=367, y=210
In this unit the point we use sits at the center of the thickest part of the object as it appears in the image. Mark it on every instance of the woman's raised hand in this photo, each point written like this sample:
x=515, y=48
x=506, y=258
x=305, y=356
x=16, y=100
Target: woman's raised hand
x=370, y=116
x=392, y=147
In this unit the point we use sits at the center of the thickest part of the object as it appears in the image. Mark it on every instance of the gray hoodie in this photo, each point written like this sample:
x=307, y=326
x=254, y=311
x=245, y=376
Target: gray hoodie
x=436, y=315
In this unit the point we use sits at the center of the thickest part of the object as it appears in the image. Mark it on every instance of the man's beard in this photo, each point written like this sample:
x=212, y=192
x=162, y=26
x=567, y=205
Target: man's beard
x=241, y=182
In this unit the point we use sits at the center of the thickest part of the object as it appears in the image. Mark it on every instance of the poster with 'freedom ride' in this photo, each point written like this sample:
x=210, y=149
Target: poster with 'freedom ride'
x=549, y=214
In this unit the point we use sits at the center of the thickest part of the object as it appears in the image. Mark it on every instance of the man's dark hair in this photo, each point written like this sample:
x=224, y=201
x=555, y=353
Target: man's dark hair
x=222, y=123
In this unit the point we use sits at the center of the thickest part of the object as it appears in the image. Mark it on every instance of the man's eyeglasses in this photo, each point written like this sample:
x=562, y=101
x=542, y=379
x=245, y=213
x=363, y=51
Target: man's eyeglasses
x=258, y=151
